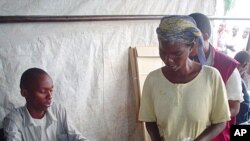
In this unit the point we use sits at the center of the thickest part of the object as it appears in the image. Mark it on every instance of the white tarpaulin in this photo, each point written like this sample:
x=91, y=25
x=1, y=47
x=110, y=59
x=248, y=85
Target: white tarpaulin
x=88, y=61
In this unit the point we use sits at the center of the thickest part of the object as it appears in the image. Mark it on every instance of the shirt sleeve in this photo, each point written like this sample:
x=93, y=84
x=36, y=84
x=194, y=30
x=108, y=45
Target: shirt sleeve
x=220, y=109
x=11, y=131
x=72, y=132
x=233, y=86
x=146, y=112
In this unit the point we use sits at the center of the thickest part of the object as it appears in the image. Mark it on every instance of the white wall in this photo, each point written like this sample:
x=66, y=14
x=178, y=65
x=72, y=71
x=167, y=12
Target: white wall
x=88, y=61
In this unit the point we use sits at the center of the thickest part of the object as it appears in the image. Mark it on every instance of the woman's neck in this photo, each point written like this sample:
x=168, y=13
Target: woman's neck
x=184, y=74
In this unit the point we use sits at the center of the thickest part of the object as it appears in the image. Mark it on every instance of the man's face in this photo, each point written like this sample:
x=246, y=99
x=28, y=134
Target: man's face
x=221, y=28
x=243, y=68
x=235, y=30
x=39, y=93
x=245, y=33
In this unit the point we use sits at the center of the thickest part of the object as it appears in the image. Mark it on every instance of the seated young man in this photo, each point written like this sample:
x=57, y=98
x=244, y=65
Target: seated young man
x=39, y=119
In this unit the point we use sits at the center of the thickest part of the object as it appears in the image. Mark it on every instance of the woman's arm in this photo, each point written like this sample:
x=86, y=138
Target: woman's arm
x=211, y=132
x=153, y=131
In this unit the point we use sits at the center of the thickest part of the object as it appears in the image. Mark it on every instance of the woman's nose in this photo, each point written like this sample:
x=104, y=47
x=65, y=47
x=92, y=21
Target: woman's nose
x=169, y=59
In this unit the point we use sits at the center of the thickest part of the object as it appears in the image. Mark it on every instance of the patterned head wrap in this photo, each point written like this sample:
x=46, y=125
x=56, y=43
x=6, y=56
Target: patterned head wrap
x=182, y=29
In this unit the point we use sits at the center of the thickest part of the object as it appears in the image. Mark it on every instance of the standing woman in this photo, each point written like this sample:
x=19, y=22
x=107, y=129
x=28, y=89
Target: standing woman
x=183, y=100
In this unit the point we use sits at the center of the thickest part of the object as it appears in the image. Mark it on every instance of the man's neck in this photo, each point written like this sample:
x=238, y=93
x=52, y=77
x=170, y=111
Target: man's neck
x=36, y=113
x=206, y=48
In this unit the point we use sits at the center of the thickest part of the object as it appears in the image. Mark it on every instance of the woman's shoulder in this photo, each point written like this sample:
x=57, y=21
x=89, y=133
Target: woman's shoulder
x=155, y=72
x=210, y=70
x=154, y=75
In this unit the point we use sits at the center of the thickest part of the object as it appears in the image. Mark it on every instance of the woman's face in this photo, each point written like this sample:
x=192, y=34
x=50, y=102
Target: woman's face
x=174, y=55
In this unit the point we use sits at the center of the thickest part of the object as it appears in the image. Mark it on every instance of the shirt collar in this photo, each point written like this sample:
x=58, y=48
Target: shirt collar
x=29, y=120
x=210, y=60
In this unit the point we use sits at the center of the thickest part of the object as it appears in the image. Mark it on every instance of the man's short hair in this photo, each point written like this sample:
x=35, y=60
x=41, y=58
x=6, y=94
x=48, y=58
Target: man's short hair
x=202, y=23
x=29, y=75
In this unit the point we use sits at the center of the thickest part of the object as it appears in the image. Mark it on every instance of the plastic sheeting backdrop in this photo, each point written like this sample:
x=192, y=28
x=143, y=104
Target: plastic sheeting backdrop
x=88, y=61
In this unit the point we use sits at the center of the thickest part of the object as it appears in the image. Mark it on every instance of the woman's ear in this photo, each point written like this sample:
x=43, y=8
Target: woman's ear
x=193, y=49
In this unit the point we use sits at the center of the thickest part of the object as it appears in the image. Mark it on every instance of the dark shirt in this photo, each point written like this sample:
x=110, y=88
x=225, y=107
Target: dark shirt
x=1, y=134
x=244, y=113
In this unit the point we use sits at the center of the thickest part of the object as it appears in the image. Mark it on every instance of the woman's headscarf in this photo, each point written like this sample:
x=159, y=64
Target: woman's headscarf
x=182, y=29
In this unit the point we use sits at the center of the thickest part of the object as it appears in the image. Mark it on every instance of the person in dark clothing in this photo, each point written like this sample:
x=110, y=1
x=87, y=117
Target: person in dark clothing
x=243, y=57
x=227, y=67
